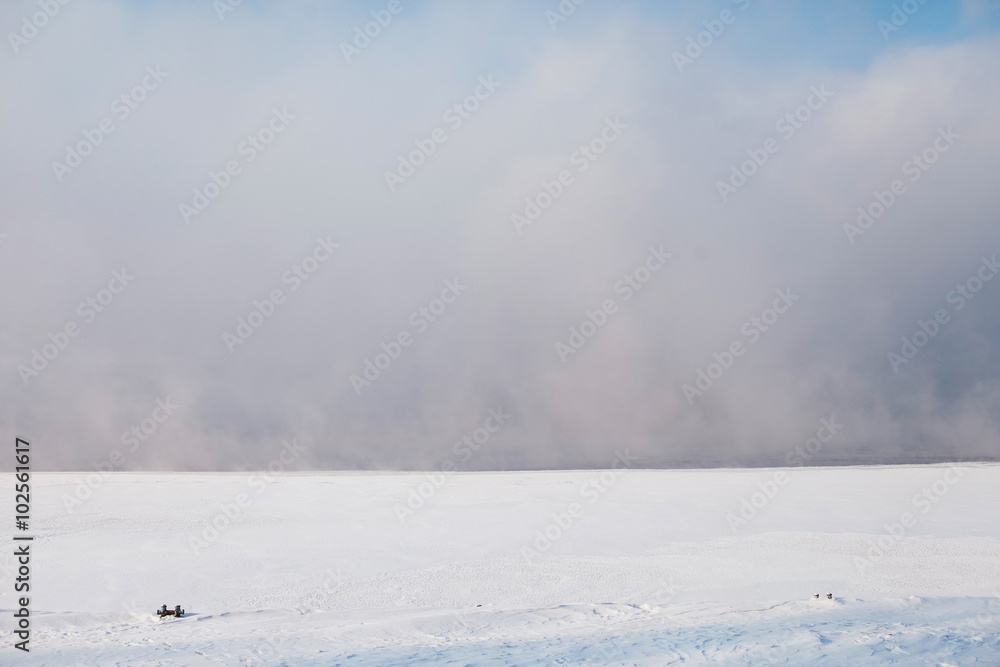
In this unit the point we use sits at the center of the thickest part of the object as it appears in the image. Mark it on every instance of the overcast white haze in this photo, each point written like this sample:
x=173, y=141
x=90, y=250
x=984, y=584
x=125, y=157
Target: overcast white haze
x=885, y=97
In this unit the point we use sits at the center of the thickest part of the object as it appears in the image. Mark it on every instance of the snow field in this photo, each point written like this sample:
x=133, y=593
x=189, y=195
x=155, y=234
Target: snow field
x=322, y=568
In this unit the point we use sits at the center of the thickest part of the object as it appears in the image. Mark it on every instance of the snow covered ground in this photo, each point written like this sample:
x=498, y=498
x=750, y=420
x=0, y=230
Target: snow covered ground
x=582, y=567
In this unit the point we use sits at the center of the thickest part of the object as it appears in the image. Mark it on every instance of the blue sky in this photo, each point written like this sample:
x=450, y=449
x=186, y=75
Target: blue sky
x=833, y=34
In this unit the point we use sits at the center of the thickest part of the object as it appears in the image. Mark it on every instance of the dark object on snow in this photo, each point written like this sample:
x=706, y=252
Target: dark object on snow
x=815, y=596
x=176, y=611
x=829, y=596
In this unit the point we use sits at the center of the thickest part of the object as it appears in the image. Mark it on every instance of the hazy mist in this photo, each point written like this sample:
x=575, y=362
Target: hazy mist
x=661, y=130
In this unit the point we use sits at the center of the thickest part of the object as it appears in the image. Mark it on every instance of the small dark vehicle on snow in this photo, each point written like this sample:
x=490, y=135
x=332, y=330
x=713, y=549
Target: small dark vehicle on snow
x=176, y=611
